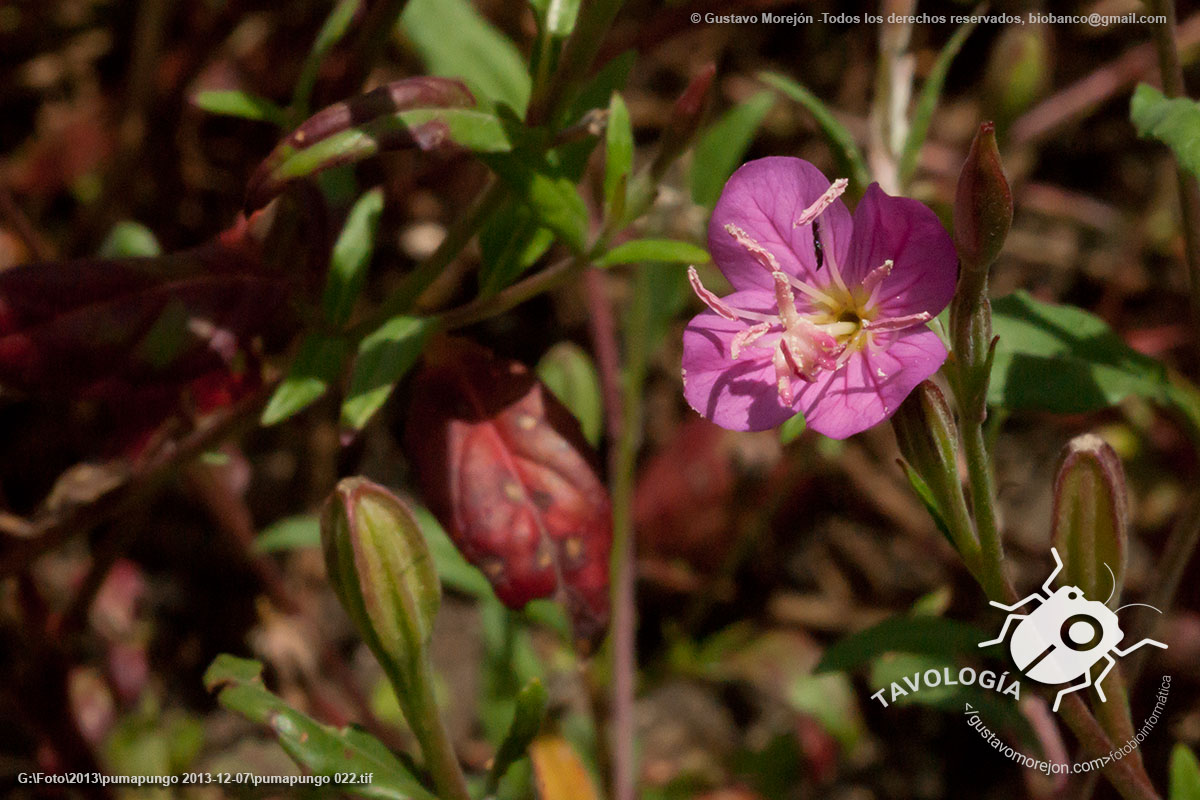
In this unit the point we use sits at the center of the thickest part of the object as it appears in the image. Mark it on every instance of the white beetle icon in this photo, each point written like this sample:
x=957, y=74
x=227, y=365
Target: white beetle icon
x=1062, y=638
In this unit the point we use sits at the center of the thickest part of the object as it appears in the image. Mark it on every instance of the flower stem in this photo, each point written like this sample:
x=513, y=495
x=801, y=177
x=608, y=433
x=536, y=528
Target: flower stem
x=421, y=709
x=983, y=501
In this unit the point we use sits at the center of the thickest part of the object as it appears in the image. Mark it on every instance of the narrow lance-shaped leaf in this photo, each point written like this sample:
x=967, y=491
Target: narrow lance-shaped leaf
x=526, y=723
x=1091, y=517
x=235, y=103
x=317, y=364
x=455, y=41
x=664, y=250
x=384, y=357
x=427, y=113
x=500, y=463
x=351, y=255
x=722, y=146
x=618, y=160
x=332, y=31
x=321, y=749
x=850, y=158
x=927, y=102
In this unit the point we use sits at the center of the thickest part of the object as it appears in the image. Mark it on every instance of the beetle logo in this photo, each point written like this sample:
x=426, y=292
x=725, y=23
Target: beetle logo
x=1065, y=635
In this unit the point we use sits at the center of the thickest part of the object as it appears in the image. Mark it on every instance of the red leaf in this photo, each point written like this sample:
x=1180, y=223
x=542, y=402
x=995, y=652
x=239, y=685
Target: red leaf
x=70, y=325
x=500, y=462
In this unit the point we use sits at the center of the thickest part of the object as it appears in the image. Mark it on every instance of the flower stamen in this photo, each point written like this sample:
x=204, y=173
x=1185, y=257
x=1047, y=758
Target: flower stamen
x=823, y=202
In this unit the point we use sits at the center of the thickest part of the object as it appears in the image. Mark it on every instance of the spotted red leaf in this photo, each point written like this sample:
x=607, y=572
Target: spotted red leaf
x=501, y=463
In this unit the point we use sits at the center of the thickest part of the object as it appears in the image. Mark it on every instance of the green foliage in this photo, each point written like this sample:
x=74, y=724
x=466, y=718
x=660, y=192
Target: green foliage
x=332, y=31
x=317, y=364
x=663, y=250
x=618, y=160
x=722, y=146
x=453, y=570
x=548, y=193
x=290, y=533
x=351, y=256
x=510, y=243
x=322, y=749
x=921, y=635
x=129, y=239
x=791, y=429
x=927, y=102
x=1185, y=774
x=850, y=159
x=1063, y=359
x=568, y=372
x=455, y=41
x=1174, y=122
x=527, y=718
x=241, y=104
x=384, y=357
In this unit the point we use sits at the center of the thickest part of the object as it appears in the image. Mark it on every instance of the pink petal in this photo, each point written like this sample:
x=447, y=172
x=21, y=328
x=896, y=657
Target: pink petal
x=843, y=403
x=906, y=231
x=764, y=198
x=739, y=395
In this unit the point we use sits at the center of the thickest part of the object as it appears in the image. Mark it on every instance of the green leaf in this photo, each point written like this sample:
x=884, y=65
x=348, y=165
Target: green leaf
x=925, y=495
x=455, y=41
x=453, y=569
x=476, y=131
x=241, y=104
x=1185, y=774
x=318, y=363
x=1174, y=122
x=526, y=723
x=721, y=147
x=1063, y=359
x=351, y=255
x=129, y=239
x=332, y=31
x=664, y=250
x=922, y=635
x=849, y=157
x=792, y=427
x=511, y=242
x=290, y=533
x=568, y=372
x=928, y=100
x=556, y=17
x=618, y=153
x=551, y=196
x=322, y=749
x=383, y=358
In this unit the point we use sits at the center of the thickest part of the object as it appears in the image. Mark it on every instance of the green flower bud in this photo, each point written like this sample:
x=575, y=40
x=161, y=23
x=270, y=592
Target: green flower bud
x=1091, y=517
x=381, y=570
x=928, y=439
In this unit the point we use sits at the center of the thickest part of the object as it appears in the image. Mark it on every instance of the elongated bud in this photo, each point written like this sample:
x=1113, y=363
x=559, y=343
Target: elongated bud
x=1091, y=517
x=983, y=207
x=927, y=437
x=381, y=570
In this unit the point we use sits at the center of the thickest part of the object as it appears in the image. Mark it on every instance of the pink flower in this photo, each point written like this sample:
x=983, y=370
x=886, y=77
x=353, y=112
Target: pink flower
x=828, y=312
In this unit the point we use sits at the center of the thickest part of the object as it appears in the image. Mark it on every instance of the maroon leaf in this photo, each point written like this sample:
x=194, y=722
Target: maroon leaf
x=79, y=326
x=501, y=463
